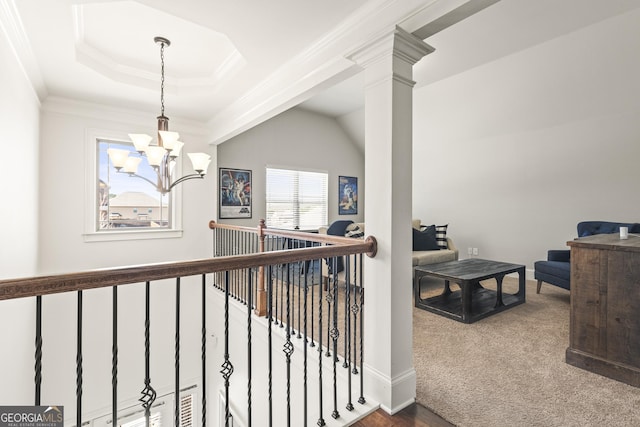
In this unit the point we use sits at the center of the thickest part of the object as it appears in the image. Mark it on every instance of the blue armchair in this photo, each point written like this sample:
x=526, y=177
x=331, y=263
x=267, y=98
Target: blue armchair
x=556, y=270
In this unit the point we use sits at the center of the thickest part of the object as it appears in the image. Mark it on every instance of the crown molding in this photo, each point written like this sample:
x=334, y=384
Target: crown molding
x=324, y=62
x=319, y=66
x=12, y=26
x=398, y=42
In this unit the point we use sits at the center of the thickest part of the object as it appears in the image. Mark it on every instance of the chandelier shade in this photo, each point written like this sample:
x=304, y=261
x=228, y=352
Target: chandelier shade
x=162, y=155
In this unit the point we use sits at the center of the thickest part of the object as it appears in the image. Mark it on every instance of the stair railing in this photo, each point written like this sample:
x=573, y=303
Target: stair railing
x=273, y=263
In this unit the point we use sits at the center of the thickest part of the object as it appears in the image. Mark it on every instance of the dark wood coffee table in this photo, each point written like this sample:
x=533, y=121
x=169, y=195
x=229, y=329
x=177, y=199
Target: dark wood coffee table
x=472, y=302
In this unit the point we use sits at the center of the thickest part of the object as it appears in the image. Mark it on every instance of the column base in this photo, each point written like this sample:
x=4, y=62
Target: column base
x=394, y=394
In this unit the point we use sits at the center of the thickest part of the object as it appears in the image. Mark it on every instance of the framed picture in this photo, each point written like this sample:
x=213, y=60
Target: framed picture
x=235, y=193
x=347, y=195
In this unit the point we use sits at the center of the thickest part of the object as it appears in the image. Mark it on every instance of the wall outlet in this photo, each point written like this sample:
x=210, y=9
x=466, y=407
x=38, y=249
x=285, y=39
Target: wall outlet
x=470, y=251
x=475, y=251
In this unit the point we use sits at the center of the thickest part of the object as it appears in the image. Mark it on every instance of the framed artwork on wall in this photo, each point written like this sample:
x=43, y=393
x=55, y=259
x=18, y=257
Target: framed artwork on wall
x=234, y=193
x=347, y=195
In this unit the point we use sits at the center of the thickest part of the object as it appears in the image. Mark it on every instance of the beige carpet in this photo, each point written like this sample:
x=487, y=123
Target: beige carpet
x=509, y=369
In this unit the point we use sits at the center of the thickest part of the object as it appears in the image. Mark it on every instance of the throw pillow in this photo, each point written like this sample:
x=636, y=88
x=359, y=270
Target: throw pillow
x=441, y=236
x=355, y=233
x=425, y=240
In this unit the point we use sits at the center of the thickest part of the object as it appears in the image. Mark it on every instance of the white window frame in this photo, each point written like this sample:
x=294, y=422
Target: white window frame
x=298, y=169
x=131, y=410
x=91, y=233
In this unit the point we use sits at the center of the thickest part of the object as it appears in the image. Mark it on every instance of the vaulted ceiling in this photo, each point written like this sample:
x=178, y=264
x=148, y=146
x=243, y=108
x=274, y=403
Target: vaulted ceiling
x=234, y=63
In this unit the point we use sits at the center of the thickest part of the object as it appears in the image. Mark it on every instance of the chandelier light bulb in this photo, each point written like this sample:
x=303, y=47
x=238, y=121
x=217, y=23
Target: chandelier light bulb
x=131, y=165
x=140, y=141
x=200, y=162
x=175, y=152
x=155, y=155
x=168, y=139
x=118, y=157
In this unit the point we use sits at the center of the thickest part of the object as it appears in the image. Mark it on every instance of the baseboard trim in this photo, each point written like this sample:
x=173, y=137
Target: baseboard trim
x=394, y=394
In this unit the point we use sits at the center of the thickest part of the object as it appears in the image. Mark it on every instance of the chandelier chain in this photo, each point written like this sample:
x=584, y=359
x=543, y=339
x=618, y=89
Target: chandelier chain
x=162, y=79
x=161, y=156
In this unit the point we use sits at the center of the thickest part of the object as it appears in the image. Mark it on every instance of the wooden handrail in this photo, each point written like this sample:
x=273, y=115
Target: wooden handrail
x=300, y=235
x=93, y=279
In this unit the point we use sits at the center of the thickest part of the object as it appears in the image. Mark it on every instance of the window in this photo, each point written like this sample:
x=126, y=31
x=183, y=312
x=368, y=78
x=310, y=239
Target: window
x=100, y=210
x=161, y=412
x=121, y=197
x=296, y=199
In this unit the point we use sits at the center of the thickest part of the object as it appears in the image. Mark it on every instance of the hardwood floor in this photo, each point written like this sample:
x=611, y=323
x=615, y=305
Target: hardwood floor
x=415, y=415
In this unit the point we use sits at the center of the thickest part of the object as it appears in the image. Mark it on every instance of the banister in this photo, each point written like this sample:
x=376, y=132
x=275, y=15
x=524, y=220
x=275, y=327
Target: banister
x=101, y=278
x=300, y=235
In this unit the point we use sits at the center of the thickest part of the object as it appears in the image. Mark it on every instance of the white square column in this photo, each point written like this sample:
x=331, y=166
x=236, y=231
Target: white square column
x=390, y=377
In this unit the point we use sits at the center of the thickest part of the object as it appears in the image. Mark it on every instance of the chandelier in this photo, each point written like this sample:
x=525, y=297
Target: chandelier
x=162, y=156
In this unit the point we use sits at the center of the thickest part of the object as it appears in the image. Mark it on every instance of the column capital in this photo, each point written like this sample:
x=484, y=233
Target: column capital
x=397, y=43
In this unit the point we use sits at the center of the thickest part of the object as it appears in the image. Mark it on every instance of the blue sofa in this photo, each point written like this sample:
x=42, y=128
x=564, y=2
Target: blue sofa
x=556, y=270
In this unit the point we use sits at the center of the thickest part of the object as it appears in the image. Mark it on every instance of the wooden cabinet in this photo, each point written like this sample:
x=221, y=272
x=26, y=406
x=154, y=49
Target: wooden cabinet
x=605, y=306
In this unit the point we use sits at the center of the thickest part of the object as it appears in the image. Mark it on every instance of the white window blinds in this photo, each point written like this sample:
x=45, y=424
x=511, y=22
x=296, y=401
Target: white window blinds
x=296, y=199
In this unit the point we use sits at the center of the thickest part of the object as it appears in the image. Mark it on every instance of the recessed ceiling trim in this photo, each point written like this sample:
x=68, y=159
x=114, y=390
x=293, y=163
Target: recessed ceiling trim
x=102, y=63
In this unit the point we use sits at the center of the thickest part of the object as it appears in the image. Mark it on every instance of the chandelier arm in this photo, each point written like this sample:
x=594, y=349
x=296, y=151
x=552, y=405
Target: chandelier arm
x=185, y=178
x=135, y=175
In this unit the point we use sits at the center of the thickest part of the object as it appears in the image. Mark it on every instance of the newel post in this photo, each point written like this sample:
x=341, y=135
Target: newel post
x=261, y=297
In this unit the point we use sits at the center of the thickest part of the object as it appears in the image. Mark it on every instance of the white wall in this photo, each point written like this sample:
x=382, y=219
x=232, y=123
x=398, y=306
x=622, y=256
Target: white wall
x=301, y=139
x=514, y=153
x=19, y=121
x=62, y=193
x=63, y=249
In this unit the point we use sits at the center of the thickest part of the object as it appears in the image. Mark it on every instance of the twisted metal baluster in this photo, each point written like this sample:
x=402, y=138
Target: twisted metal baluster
x=281, y=284
x=312, y=341
x=361, y=400
x=347, y=278
x=301, y=266
x=270, y=354
x=321, y=421
x=278, y=273
x=227, y=367
x=79, y=364
x=347, y=335
x=304, y=361
x=38, y=354
x=148, y=393
x=114, y=359
x=354, y=309
x=333, y=276
x=204, y=351
x=288, y=346
x=335, y=333
x=176, y=414
x=249, y=309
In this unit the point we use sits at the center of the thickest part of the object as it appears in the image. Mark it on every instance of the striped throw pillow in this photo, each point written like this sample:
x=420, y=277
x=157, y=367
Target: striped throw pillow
x=355, y=233
x=441, y=236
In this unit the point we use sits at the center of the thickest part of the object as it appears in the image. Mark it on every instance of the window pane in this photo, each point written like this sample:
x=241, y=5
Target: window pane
x=126, y=201
x=296, y=199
